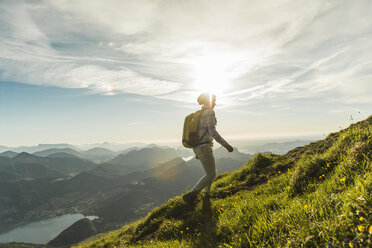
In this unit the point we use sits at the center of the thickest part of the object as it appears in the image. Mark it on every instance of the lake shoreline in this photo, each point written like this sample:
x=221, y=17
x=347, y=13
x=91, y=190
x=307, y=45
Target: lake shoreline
x=33, y=232
x=4, y=228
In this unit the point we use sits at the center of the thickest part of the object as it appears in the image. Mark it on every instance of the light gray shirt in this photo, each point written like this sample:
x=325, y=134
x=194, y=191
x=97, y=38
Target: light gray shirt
x=207, y=127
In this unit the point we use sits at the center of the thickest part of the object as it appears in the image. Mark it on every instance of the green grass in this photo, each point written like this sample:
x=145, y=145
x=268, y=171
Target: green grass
x=312, y=196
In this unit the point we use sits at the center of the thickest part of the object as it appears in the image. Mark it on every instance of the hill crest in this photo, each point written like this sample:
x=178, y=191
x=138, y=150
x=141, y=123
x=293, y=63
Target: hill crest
x=313, y=196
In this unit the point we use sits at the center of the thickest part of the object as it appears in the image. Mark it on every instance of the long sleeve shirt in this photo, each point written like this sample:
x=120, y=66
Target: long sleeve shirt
x=207, y=128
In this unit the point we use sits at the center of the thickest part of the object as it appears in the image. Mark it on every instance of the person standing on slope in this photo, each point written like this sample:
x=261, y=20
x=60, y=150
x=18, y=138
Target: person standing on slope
x=204, y=152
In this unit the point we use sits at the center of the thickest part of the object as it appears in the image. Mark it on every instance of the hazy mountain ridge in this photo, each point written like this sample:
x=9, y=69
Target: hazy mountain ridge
x=88, y=151
x=48, y=152
x=147, y=157
x=272, y=147
x=97, y=154
x=317, y=195
x=116, y=147
x=8, y=154
x=65, y=165
x=24, y=171
x=40, y=147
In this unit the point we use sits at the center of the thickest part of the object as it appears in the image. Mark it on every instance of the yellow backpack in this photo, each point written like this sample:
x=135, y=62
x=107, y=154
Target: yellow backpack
x=190, y=137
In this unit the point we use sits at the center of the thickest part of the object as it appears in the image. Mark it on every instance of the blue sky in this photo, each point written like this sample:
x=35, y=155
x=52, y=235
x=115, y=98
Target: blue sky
x=80, y=71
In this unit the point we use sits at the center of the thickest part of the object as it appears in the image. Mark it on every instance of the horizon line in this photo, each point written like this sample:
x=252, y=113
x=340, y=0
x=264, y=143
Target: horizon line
x=173, y=141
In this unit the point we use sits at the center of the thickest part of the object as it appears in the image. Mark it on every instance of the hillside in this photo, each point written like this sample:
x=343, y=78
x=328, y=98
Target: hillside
x=146, y=158
x=8, y=154
x=21, y=171
x=65, y=165
x=318, y=195
x=48, y=152
x=96, y=154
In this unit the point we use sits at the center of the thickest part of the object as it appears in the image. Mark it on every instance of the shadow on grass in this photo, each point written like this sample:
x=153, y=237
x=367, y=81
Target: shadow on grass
x=208, y=234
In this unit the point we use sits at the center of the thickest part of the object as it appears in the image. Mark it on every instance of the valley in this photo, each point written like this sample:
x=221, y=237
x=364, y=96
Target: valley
x=45, y=184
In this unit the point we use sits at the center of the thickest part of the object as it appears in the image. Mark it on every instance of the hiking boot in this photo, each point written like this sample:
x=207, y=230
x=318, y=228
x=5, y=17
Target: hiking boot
x=190, y=198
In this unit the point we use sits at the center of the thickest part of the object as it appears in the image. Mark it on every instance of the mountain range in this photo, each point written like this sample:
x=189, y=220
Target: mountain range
x=103, y=152
x=117, y=191
x=28, y=166
x=116, y=147
x=116, y=186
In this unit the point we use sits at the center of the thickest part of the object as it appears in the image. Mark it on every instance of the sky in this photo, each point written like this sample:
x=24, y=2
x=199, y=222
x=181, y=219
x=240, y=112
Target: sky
x=87, y=71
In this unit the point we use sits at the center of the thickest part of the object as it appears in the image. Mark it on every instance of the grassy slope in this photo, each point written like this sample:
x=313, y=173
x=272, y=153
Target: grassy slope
x=313, y=196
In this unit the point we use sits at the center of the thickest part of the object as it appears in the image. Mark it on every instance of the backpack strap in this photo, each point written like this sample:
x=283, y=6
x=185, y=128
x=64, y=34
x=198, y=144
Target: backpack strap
x=206, y=131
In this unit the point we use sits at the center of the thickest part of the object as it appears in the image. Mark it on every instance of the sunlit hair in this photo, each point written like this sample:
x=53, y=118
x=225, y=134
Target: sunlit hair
x=206, y=99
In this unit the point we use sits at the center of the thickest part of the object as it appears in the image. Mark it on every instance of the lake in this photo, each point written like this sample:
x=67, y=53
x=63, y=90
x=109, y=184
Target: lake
x=42, y=231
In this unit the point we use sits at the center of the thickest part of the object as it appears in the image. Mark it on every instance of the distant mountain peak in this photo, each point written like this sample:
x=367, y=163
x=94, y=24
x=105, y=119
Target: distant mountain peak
x=58, y=144
x=94, y=149
x=151, y=145
x=24, y=155
x=9, y=154
x=61, y=155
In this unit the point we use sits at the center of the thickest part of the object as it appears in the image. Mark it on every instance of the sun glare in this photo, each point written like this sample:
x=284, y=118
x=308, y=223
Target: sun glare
x=211, y=73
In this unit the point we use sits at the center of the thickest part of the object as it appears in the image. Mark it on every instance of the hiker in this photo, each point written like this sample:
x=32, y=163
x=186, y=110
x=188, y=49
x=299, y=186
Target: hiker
x=204, y=152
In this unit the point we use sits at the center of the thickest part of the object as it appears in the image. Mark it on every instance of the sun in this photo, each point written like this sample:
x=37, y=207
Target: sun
x=211, y=73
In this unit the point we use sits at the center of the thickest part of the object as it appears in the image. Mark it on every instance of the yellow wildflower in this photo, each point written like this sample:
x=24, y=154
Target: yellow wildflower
x=323, y=175
x=351, y=245
x=361, y=218
x=361, y=228
x=328, y=165
x=306, y=206
x=187, y=228
x=370, y=230
x=181, y=232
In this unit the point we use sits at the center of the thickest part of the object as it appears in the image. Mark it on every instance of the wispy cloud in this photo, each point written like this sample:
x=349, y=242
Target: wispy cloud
x=275, y=49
